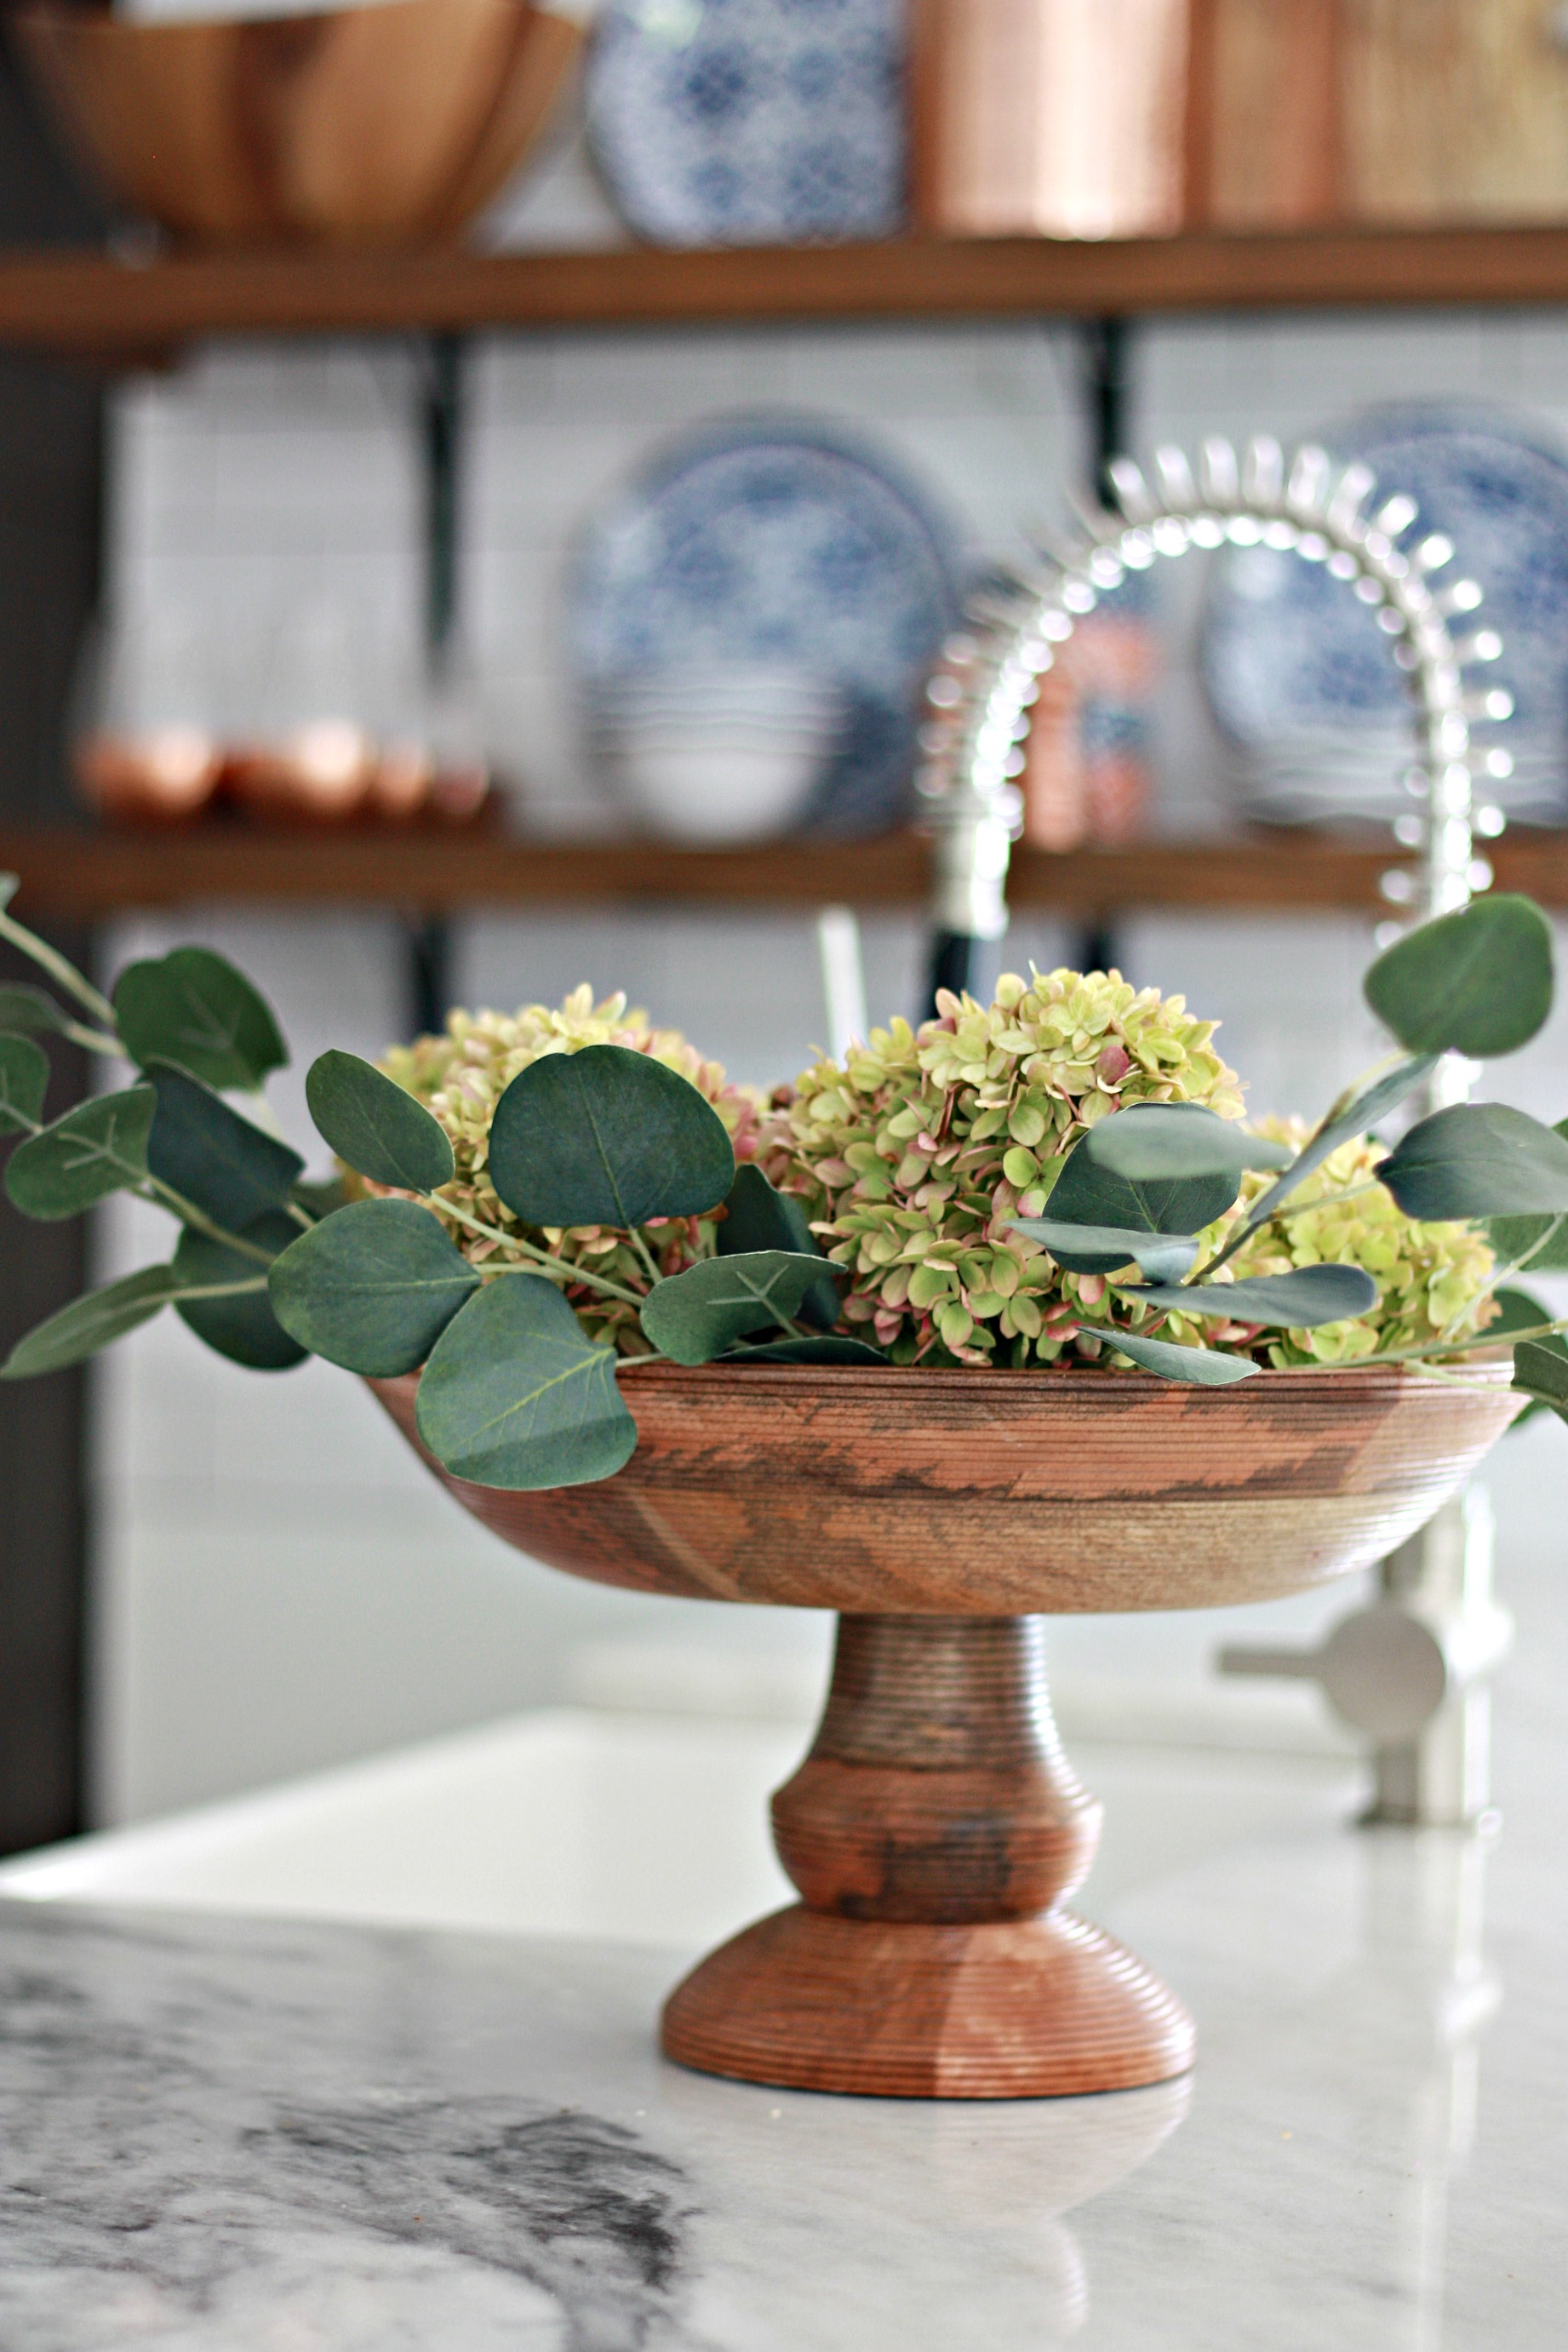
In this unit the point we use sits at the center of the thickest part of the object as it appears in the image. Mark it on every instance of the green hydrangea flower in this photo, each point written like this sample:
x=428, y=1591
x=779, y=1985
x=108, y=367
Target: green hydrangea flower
x=915, y=1155
x=460, y=1076
x=1432, y=1279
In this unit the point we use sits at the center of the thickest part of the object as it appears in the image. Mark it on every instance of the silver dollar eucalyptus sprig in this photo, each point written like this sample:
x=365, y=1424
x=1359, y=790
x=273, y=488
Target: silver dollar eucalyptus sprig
x=514, y=1391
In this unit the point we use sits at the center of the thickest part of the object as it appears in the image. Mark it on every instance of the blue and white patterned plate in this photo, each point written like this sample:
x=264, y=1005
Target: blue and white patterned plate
x=1299, y=677
x=773, y=540
x=746, y=121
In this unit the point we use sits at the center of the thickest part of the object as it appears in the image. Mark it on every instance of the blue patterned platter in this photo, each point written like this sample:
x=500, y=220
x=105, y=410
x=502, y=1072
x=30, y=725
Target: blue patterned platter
x=774, y=541
x=747, y=121
x=1297, y=673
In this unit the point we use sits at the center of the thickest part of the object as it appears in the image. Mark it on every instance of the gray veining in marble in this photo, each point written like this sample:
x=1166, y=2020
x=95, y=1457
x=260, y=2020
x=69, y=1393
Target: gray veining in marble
x=247, y=2135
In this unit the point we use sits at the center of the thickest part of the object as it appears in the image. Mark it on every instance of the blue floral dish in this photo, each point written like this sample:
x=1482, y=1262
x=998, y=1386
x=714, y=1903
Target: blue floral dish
x=746, y=121
x=1297, y=673
x=772, y=541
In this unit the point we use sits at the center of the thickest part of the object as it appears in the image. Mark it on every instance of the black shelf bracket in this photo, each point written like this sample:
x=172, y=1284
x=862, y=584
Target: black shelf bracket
x=1106, y=346
x=428, y=960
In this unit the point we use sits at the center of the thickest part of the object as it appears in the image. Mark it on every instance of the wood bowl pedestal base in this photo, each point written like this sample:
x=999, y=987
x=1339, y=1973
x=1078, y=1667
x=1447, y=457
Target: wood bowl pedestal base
x=935, y=1829
x=934, y=1832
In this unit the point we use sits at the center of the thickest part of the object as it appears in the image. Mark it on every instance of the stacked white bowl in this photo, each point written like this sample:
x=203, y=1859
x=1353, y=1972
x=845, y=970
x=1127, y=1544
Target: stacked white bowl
x=717, y=754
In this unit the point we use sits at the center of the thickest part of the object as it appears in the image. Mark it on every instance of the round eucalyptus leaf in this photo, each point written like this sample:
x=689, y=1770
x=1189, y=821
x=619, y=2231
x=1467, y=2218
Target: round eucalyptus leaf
x=371, y=1287
x=1196, y=1367
x=827, y=1348
x=32, y=1012
x=1160, y=1142
x=79, y=1330
x=1536, y=1245
x=1301, y=1301
x=606, y=1136
x=211, y=1155
x=24, y=1082
x=194, y=1008
x=1478, y=1160
x=1540, y=1370
x=695, y=1316
x=759, y=1218
x=1087, y=1194
x=1479, y=982
x=243, y=1328
x=515, y=1395
x=377, y=1127
x=96, y=1149
x=1106, y=1249
x=1546, y=1384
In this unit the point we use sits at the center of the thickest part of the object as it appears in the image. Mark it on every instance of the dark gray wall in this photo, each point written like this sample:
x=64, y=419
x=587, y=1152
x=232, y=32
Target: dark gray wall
x=49, y=498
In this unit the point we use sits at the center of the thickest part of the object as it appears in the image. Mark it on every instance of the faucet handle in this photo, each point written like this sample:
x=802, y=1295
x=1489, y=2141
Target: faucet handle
x=1383, y=1669
x=1408, y=1670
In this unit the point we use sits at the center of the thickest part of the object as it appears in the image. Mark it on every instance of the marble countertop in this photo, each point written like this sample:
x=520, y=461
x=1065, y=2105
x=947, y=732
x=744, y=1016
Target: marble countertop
x=233, y=2133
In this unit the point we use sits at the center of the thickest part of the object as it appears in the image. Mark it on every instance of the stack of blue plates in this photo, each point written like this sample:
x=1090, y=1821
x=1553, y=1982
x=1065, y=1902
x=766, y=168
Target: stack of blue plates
x=1300, y=678
x=773, y=545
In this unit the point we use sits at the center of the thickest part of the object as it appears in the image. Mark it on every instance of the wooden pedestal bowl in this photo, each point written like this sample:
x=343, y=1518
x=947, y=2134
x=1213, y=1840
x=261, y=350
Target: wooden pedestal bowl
x=395, y=122
x=935, y=1829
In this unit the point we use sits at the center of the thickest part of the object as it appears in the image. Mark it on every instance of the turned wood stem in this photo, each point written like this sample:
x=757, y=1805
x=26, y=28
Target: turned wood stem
x=936, y=1788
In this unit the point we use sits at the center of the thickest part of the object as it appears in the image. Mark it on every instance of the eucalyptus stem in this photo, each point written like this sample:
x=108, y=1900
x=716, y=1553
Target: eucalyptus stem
x=643, y=1251
x=1520, y=1265
x=159, y=1195
x=1108, y=1331
x=1435, y=1347
x=1508, y=1271
x=1324, y=1201
x=164, y=1196
x=66, y=975
x=530, y=1249
x=94, y=1040
x=223, y=1289
x=1281, y=1189
x=1249, y=1226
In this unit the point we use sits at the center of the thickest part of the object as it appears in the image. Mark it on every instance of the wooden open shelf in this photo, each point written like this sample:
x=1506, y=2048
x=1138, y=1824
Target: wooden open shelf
x=122, y=312
x=87, y=875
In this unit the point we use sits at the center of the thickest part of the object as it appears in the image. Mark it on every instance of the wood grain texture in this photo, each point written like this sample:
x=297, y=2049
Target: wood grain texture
x=994, y=1494
x=936, y=1788
x=1264, y=114
x=120, y=314
x=933, y=1830
x=935, y=1827
x=80, y=873
x=399, y=120
x=1016, y=2008
x=1454, y=111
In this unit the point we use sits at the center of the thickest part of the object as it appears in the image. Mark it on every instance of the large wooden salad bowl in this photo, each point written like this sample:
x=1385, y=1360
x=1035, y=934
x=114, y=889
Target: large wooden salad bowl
x=338, y=124
x=935, y=1828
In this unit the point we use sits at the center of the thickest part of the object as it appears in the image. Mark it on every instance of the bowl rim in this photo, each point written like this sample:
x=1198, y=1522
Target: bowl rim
x=1493, y=1372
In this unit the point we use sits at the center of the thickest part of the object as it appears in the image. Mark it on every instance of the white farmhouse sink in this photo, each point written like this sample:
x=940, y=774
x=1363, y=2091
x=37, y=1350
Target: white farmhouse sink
x=644, y=1828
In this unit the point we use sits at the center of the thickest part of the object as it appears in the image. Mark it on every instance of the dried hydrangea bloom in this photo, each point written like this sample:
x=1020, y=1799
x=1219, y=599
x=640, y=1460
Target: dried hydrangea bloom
x=460, y=1076
x=915, y=1154
x=1431, y=1278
